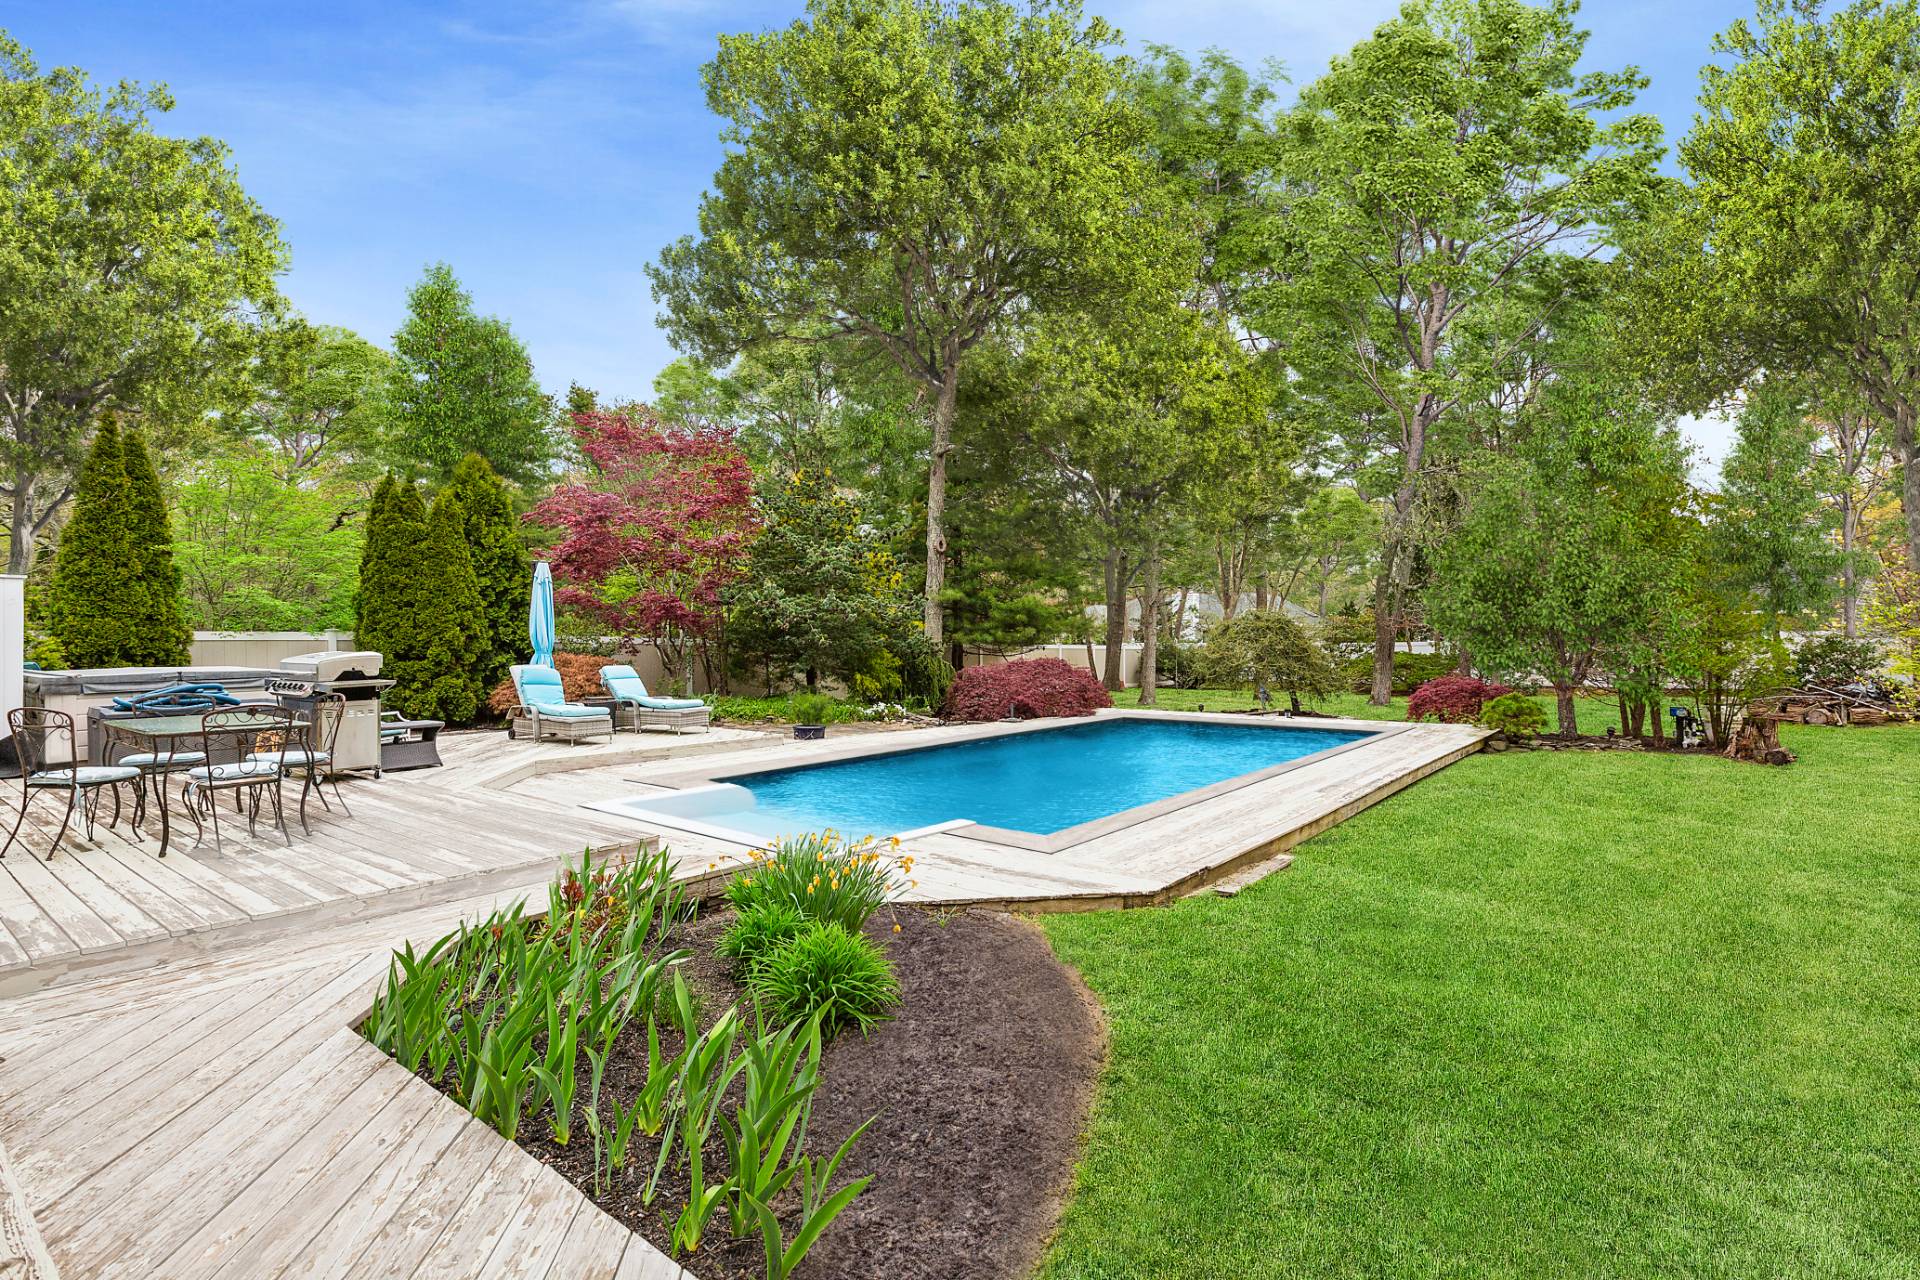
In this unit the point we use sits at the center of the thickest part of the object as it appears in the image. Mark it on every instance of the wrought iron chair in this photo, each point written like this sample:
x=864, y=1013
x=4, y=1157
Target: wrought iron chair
x=40, y=737
x=312, y=749
x=249, y=776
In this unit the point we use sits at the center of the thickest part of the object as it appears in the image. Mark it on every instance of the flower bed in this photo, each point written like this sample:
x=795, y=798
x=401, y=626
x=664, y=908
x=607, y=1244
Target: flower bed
x=962, y=1105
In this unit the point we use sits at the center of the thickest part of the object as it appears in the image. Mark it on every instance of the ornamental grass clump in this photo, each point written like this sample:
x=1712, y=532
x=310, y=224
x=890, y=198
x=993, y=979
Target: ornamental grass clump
x=824, y=877
x=762, y=927
x=841, y=978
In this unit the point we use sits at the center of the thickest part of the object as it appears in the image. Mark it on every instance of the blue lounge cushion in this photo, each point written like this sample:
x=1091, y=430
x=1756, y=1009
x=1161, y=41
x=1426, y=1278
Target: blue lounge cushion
x=540, y=688
x=570, y=711
x=87, y=775
x=624, y=683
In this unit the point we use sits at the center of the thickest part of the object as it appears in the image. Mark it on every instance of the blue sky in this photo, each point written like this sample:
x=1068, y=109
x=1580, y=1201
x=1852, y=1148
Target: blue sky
x=548, y=151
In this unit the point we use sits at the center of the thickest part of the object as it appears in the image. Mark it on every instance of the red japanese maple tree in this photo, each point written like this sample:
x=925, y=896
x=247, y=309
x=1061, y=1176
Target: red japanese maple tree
x=657, y=529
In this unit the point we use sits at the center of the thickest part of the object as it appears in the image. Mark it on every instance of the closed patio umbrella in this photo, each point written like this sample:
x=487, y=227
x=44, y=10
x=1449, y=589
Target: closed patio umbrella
x=540, y=615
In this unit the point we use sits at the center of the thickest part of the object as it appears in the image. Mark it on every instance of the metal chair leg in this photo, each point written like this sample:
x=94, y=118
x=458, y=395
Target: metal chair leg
x=279, y=814
x=25, y=799
x=66, y=819
x=306, y=785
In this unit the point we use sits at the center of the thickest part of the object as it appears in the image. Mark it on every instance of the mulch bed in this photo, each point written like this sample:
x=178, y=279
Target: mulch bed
x=980, y=1083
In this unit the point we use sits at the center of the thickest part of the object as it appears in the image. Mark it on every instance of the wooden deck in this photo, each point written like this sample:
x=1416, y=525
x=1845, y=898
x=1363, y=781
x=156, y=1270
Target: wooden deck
x=181, y=1093
x=412, y=838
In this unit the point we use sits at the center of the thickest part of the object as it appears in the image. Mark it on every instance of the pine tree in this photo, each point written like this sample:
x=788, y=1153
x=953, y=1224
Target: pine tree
x=499, y=563
x=441, y=642
x=162, y=634
x=93, y=609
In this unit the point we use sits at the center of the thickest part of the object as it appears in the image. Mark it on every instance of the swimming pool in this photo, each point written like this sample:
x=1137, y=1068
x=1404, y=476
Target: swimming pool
x=1039, y=782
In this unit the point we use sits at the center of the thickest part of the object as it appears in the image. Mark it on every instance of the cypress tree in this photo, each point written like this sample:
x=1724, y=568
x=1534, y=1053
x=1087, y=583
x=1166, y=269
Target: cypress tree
x=500, y=563
x=390, y=569
x=441, y=642
x=162, y=635
x=93, y=608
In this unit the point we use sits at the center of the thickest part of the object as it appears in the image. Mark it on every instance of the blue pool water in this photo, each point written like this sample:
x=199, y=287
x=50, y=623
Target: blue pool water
x=1040, y=782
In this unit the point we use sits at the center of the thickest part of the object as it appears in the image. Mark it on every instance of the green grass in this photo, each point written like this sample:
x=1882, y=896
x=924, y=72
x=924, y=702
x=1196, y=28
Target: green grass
x=1596, y=715
x=1544, y=1014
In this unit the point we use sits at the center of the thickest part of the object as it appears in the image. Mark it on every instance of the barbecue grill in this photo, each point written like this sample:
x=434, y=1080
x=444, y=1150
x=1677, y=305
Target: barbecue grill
x=355, y=675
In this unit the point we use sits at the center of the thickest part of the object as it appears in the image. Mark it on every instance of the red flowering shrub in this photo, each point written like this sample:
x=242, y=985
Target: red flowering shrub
x=1454, y=699
x=579, y=675
x=1026, y=689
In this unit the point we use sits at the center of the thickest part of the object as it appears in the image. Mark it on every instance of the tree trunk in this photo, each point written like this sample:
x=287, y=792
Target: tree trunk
x=1260, y=592
x=1907, y=449
x=1382, y=692
x=943, y=409
x=1850, y=588
x=1150, y=627
x=1177, y=625
x=1116, y=582
x=21, y=522
x=1093, y=668
x=1569, y=718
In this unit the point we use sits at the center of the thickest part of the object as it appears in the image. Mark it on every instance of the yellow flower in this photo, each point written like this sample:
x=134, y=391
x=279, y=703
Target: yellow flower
x=894, y=841
x=896, y=928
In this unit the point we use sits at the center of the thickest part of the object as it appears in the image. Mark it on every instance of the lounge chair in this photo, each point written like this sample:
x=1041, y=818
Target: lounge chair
x=634, y=708
x=543, y=709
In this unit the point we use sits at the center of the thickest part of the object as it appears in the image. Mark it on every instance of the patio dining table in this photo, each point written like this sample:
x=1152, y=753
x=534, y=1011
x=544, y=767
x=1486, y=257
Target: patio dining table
x=160, y=734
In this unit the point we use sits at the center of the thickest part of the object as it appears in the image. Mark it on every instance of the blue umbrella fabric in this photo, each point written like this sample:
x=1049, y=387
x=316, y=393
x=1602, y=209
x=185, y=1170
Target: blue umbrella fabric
x=540, y=615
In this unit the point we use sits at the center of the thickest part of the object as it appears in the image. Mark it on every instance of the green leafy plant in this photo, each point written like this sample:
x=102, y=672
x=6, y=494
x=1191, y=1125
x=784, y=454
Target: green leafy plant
x=824, y=877
x=759, y=928
x=1514, y=714
x=841, y=978
x=818, y=1208
x=810, y=708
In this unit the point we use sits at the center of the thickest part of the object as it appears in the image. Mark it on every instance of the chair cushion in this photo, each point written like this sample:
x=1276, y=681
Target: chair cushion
x=163, y=759
x=538, y=686
x=571, y=711
x=672, y=704
x=229, y=774
x=291, y=758
x=623, y=683
x=88, y=775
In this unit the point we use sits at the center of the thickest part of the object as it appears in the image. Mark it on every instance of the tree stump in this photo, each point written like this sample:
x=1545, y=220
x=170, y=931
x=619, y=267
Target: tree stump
x=1757, y=740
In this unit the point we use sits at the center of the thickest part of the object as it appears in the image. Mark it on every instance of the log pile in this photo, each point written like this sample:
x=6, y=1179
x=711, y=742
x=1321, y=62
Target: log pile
x=1816, y=704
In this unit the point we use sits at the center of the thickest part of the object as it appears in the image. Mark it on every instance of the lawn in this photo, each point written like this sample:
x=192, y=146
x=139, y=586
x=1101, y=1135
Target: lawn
x=1545, y=1014
x=1596, y=714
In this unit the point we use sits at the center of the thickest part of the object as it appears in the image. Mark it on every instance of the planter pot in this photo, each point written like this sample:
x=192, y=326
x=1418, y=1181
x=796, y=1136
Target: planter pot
x=809, y=732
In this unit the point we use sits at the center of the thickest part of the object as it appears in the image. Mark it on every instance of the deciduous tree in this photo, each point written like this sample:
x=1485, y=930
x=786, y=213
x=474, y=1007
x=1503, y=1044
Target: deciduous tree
x=133, y=268
x=656, y=530
x=908, y=175
x=1442, y=179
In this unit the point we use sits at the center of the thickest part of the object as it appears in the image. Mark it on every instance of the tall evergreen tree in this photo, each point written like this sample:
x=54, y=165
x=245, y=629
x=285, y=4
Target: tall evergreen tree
x=499, y=563
x=1775, y=532
x=441, y=642
x=462, y=383
x=390, y=568
x=162, y=634
x=93, y=609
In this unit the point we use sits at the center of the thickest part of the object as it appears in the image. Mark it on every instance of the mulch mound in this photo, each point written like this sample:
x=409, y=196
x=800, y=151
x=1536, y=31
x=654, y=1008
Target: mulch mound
x=980, y=1087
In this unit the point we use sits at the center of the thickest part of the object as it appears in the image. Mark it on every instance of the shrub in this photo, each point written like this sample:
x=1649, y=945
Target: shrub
x=762, y=927
x=810, y=708
x=1514, y=714
x=841, y=977
x=1025, y=689
x=500, y=564
x=1454, y=699
x=1410, y=670
x=1267, y=649
x=1833, y=661
x=823, y=877
x=579, y=675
